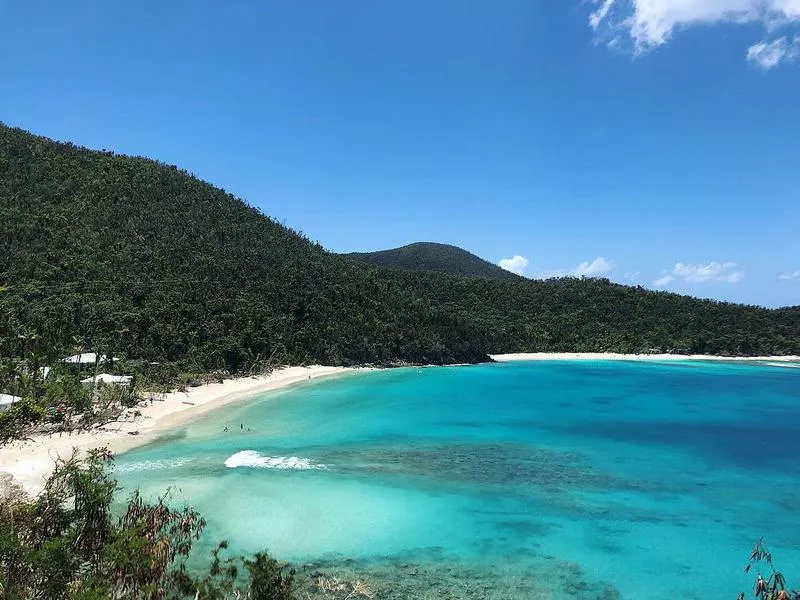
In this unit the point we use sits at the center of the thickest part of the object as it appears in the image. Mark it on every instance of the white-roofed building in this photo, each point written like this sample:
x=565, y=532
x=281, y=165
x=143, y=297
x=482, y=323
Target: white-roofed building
x=123, y=380
x=85, y=358
x=7, y=401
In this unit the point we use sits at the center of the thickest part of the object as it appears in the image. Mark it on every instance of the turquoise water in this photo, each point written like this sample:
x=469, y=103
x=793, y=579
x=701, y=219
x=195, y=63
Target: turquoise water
x=517, y=480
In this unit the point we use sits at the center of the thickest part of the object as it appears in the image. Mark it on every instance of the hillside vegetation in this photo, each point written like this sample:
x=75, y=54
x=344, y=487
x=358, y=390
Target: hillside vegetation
x=143, y=260
x=430, y=256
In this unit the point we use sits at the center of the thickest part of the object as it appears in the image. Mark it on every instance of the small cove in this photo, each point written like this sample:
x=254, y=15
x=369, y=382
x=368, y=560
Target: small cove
x=548, y=479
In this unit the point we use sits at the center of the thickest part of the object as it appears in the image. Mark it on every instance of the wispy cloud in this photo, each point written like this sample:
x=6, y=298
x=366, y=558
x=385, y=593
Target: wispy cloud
x=647, y=24
x=728, y=272
x=768, y=55
x=713, y=271
x=789, y=276
x=601, y=12
x=516, y=264
x=599, y=266
x=662, y=281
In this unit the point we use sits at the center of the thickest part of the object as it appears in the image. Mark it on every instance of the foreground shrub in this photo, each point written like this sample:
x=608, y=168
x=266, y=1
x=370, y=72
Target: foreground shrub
x=66, y=543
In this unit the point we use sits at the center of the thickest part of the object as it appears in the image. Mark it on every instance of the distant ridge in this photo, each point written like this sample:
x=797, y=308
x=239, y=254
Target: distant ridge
x=140, y=260
x=431, y=256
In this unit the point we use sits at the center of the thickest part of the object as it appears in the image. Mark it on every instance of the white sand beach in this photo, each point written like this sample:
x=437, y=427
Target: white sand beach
x=31, y=461
x=644, y=357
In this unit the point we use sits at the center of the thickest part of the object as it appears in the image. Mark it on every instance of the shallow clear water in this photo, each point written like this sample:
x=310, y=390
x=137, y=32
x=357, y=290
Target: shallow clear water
x=516, y=480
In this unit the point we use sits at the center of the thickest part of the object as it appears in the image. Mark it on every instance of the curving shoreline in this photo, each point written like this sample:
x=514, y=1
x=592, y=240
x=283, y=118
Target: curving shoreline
x=636, y=357
x=30, y=462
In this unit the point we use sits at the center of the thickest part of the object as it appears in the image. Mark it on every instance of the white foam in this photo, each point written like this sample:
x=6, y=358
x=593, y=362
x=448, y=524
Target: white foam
x=783, y=364
x=254, y=460
x=147, y=465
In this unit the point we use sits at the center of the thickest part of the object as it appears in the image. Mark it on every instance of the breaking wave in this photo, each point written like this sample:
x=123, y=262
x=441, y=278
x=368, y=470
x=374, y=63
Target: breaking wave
x=254, y=460
x=146, y=465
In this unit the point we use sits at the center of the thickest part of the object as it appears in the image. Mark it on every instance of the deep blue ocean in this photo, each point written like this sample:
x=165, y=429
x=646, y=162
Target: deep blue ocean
x=558, y=479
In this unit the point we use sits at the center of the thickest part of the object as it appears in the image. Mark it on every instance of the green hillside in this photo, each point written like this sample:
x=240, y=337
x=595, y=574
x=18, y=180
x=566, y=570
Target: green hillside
x=430, y=256
x=137, y=258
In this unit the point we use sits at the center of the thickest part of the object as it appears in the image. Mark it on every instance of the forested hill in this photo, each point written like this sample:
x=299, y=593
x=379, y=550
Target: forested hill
x=430, y=256
x=140, y=259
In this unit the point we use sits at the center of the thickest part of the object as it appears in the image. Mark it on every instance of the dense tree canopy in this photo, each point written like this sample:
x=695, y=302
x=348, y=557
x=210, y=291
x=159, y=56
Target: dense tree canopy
x=430, y=256
x=143, y=260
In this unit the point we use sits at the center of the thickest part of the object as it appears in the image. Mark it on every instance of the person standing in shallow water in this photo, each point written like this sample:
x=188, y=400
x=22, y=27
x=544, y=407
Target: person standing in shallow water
x=241, y=425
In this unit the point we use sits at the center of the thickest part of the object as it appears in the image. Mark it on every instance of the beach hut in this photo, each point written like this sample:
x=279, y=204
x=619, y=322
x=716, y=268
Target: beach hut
x=85, y=358
x=121, y=380
x=7, y=401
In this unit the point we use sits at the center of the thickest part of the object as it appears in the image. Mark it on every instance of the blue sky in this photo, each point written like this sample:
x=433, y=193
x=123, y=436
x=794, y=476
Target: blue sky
x=656, y=142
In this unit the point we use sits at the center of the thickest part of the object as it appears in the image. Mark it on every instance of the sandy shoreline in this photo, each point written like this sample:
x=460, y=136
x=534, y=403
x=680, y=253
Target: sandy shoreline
x=642, y=357
x=30, y=462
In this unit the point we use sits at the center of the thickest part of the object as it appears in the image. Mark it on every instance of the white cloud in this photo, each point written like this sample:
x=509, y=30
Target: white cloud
x=789, y=276
x=652, y=23
x=728, y=272
x=516, y=264
x=599, y=266
x=662, y=281
x=599, y=15
x=631, y=275
x=769, y=55
x=713, y=271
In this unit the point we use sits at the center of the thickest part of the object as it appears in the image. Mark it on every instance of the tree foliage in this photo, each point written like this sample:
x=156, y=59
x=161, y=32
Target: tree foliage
x=431, y=256
x=771, y=586
x=141, y=260
x=67, y=543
